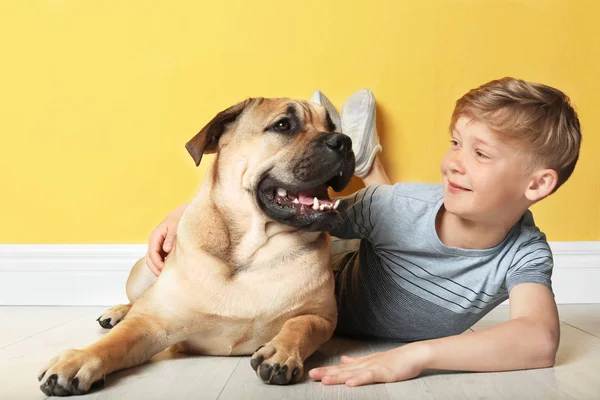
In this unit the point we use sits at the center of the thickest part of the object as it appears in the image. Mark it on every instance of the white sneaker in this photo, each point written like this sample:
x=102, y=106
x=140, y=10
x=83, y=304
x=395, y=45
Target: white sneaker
x=320, y=98
x=358, y=122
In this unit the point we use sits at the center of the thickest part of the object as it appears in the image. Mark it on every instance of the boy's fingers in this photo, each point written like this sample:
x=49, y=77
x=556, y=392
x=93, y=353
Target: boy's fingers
x=168, y=244
x=155, y=244
x=363, y=378
x=340, y=377
x=155, y=260
x=320, y=373
x=154, y=257
x=315, y=374
x=350, y=359
x=151, y=267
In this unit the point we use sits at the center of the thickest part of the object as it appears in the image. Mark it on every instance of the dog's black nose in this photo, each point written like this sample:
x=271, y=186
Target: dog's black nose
x=338, y=142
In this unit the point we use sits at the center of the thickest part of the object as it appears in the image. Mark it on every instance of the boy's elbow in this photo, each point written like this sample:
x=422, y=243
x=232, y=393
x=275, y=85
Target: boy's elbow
x=547, y=348
x=547, y=356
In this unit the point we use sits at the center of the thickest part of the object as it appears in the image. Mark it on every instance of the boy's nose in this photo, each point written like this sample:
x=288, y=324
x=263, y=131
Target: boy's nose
x=456, y=164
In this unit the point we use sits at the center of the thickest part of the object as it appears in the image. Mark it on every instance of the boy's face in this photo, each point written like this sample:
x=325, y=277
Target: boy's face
x=483, y=177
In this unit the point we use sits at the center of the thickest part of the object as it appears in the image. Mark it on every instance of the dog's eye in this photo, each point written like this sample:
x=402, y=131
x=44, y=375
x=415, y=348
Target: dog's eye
x=283, y=125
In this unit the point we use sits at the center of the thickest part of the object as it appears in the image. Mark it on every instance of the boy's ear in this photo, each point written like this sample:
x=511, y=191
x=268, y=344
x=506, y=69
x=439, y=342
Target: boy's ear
x=541, y=184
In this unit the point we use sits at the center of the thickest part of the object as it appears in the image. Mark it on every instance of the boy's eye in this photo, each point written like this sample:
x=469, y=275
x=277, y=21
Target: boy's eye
x=481, y=155
x=453, y=142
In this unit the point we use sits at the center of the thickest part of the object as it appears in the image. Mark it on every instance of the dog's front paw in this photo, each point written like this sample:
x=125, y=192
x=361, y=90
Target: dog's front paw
x=72, y=372
x=113, y=316
x=277, y=364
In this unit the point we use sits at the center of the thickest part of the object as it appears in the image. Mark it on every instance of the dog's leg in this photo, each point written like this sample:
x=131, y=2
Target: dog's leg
x=281, y=361
x=139, y=280
x=130, y=343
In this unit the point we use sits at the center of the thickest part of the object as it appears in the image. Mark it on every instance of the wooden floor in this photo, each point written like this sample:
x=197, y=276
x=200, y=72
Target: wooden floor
x=29, y=336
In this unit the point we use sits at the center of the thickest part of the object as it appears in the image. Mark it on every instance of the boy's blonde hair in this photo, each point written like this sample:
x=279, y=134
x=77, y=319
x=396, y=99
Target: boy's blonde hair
x=536, y=117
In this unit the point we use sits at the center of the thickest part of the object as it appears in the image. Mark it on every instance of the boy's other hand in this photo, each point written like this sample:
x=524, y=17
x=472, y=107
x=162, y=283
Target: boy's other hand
x=162, y=239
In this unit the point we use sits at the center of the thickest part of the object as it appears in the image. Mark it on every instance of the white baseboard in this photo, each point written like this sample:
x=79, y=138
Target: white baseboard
x=82, y=275
x=95, y=275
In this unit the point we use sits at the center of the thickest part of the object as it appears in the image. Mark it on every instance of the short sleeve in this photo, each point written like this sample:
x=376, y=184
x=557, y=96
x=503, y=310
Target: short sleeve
x=364, y=211
x=532, y=263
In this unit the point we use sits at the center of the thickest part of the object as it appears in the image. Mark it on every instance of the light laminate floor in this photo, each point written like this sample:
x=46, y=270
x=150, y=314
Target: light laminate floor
x=29, y=336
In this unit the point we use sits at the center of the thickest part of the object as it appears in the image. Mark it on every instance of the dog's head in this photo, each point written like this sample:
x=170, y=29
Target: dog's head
x=282, y=154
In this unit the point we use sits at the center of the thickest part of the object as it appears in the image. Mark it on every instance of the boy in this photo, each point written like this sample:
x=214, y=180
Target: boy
x=434, y=259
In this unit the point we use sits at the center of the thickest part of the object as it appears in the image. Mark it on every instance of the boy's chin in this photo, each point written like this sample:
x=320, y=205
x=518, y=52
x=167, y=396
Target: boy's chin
x=454, y=207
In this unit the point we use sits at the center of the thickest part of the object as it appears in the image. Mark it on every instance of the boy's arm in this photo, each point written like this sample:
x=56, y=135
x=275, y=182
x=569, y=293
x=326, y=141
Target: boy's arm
x=528, y=340
x=362, y=212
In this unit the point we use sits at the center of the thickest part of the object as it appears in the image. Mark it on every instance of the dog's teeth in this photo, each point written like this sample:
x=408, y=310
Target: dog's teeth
x=282, y=192
x=336, y=205
x=295, y=201
x=340, y=173
x=322, y=207
x=316, y=204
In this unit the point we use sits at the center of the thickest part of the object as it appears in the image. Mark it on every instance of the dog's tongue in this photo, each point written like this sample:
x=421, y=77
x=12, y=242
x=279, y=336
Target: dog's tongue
x=320, y=193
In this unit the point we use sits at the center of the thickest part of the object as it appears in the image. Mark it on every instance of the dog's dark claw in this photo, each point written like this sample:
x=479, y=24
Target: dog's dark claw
x=48, y=386
x=259, y=347
x=265, y=372
x=255, y=362
x=105, y=323
x=41, y=376
x=99, y=384
x=295, y=374
x=75, y=383
x=60, y=391
x=280, y=375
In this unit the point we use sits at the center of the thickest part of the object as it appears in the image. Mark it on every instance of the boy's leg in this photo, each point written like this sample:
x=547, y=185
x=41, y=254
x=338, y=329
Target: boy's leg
x=376, y=175
x=358, y=122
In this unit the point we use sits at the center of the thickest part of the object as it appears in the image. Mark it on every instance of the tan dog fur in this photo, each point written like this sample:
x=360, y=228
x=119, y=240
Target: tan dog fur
x=236, y=279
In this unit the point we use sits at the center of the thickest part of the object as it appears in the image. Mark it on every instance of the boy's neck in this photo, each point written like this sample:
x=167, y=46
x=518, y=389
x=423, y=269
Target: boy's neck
x=454, y=231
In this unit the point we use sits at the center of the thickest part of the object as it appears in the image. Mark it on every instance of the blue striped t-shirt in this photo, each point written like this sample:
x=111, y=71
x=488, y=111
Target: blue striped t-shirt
x=404, y=284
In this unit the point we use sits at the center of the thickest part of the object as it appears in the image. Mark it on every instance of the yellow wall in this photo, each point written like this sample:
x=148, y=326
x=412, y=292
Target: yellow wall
x=99, y=97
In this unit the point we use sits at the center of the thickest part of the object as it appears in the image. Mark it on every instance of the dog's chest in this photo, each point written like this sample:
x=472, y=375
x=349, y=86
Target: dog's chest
x=231, y=338
x=250, y=309
x=265, y=294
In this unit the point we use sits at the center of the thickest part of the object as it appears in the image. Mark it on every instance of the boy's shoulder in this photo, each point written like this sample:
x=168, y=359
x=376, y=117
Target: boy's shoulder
x=530, y=235
x=409, y=203
x=426, y=192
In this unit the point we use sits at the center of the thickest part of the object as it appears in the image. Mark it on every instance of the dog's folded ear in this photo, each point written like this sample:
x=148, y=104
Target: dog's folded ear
x=206, y=141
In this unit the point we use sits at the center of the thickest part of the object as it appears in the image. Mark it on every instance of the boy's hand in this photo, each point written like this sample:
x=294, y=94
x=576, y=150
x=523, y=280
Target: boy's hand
x=161, y=240
x=402, y=363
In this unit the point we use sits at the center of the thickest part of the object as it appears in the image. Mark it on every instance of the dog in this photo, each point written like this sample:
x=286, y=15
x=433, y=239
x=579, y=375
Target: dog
x=250, y=271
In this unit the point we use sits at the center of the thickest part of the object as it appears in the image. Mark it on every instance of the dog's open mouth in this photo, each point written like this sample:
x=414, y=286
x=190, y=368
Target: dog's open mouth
x=303, y=203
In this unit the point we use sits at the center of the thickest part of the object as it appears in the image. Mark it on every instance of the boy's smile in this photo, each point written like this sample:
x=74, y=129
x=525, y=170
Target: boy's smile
x=456, y=189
